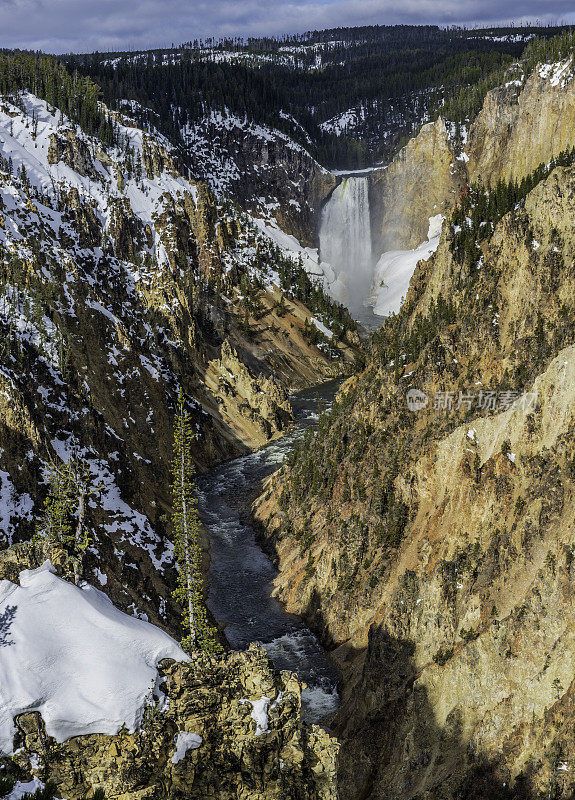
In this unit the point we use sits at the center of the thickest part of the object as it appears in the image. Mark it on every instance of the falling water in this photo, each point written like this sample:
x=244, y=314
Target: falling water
x=345, y=242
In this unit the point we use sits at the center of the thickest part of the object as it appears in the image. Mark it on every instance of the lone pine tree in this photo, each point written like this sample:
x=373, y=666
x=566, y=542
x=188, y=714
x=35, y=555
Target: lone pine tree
x=64, y=517
x=186, y=531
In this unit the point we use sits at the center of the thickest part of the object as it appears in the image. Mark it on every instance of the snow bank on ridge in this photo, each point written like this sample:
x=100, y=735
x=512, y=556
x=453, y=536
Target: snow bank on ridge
x=394, y=269
x=67, y=652
x=559, y=73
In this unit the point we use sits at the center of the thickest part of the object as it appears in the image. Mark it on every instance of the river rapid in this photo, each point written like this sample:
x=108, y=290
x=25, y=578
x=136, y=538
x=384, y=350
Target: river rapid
x=240, y=575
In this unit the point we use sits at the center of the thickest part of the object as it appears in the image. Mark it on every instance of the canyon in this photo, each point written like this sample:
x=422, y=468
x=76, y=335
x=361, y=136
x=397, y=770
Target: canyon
x=412, y=520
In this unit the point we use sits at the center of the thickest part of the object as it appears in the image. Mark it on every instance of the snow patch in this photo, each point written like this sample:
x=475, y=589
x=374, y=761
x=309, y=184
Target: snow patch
x=558, y=74
x=68, y=653
x=12, y=507
x=22, y=789
x=322, y=328
x=394, y=269
x=260, y=713
x=185, y=741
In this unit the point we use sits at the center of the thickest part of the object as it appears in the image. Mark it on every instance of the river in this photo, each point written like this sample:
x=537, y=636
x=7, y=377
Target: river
x=241, y=574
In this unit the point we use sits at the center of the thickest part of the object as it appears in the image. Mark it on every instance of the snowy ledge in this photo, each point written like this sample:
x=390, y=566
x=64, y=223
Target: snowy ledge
x=394, y=270
x=67, y=652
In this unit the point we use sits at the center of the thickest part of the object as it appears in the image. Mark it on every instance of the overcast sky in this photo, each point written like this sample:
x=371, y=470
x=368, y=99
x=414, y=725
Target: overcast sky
x=84, y=25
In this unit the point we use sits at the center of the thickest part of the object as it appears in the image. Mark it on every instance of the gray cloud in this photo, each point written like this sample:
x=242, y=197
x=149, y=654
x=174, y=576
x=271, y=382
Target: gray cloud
x=86, y=25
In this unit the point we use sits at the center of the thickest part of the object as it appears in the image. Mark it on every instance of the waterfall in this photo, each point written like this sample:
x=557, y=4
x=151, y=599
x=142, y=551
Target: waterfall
x=345, y=243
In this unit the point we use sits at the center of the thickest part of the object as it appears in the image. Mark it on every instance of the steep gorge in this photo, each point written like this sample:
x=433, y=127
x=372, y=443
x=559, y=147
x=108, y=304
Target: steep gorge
x=122, y=282
x=430, y=544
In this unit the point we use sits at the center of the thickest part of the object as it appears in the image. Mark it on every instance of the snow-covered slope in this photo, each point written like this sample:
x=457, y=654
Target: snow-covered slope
x=308, y=56
x=29, y=138
x=68, y=653
x=394, y=269
x=264, y=169
x=74, y=259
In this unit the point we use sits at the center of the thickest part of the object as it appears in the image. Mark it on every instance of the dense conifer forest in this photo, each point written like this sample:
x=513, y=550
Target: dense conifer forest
x=74, y=94
x=384, y=80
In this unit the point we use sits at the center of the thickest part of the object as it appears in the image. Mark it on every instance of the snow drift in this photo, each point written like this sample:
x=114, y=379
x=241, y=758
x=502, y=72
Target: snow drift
x=394, y=269
x=67, y=652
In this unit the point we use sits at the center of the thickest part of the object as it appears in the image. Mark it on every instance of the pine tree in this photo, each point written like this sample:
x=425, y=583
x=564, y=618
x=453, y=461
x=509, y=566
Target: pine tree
x=64, y=517
x=56, y=524
x=186, y=527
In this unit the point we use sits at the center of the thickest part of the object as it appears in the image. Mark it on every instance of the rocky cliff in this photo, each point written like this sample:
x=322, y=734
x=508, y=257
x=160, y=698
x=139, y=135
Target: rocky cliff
x=263, y=169
x=525, y=123
x=422, y=181
x=235, y=757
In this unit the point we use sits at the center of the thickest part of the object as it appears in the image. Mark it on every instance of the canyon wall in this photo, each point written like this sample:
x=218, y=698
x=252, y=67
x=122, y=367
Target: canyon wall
x=523, y=124
x=422, y=181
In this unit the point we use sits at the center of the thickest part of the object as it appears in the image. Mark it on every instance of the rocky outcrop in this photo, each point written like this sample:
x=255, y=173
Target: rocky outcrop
x=258, y=404
x=173, y=226
x=156, y=159
x=232, y=755
x=125, y=230
x=190, y=228
x=84, y=219
x=66, y=146
x=422, y=181
x=523, y=124
x=213, y=234
x=221, y=727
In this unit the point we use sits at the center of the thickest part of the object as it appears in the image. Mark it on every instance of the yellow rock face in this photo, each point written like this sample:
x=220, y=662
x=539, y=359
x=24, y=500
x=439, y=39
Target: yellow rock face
x=522, y=127
x=421, y=182
x=456, y=639
x=213, y=699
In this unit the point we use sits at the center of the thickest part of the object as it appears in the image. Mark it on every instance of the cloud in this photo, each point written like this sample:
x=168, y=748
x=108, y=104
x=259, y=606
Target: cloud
x=86, y=25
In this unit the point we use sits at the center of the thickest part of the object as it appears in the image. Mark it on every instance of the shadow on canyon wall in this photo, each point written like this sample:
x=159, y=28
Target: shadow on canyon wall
x=394, y=749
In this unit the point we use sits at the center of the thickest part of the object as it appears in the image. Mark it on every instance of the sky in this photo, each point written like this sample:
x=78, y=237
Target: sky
x=60, y=26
